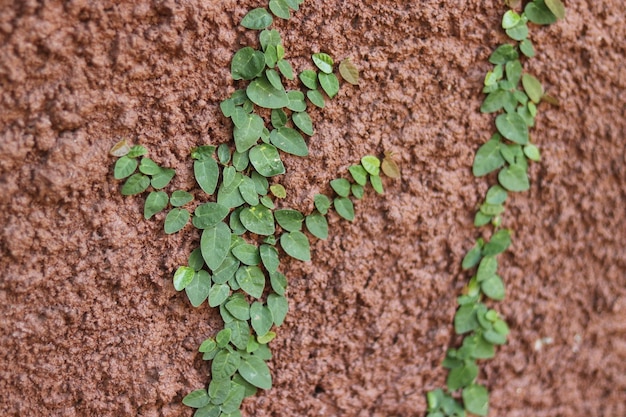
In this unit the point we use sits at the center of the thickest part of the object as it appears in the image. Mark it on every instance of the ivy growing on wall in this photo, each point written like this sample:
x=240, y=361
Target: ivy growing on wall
x=244, y=230
x=513, y=95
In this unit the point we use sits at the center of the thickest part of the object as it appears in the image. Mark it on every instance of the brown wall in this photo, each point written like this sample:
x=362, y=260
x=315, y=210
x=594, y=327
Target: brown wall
x=90, y=324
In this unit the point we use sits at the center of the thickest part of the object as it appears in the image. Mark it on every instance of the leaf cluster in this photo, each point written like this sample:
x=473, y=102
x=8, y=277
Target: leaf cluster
x=243, y=233
x=514, y=96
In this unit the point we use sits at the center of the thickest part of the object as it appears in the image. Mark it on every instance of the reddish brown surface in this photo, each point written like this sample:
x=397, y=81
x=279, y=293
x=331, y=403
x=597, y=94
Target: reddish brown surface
x=89, y=322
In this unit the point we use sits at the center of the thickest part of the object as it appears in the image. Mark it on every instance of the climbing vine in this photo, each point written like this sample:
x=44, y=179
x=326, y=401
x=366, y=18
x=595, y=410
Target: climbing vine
x=514, y=95
x=244, y=229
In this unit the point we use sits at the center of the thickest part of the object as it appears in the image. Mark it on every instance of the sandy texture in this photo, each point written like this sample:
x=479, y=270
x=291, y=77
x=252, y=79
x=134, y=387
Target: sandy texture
x=90, y=324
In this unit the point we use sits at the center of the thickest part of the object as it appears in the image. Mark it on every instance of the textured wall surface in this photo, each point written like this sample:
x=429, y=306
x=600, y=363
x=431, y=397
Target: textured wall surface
x=90, y=324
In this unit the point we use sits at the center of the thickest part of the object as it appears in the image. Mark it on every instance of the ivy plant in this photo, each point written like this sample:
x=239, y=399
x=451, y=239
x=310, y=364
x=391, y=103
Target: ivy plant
x=244, y=230
x=513, y=95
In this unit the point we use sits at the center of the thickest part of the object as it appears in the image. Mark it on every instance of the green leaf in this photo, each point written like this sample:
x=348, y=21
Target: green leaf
x=278, y=282
x=223, y=153
x=317, y=225
x=258, y=219
x=247, y=190
x=349, y=71
x=257, y=19
x=197, y=399
x=462, y=376
x=487, y=268
x=180, y=198
x=195, y=260
x=175, y=220
x=218, y=294
x=513, y=71
x=241, y=160
x=278, y=118
x=280, y=9
x=494, y=337
x=481, y=219
x=156, y=201
x=532, y=152
x=377, y=184
x=358, y=191
x=309, y=79
x=207, y=173
x=316, y=98
x=218, y=390
x=538, y=13
x=526, y=46
x=163, y=178
x=269, y=37
x=225, y=364
x=359, y=174
x=263, y=94
x=249, y=133
x=198, y=289
x=207, y=346
x=296, y=245
x=285, y=68
x=269, y=257
x=124, y=167
x=341, y=186
x=238, y=306
x=476, y=398
x=510, y=19
x=473, y=256
x=240, y=333
x=266, y=160
x=289, y=140
x=503, y=54
x=324, y=62
x=248, y=254
x=206, y=151
x=274, y=79
x=533, y=87
x=278, y=190
x=183, y=277
x=296, y=101
x=465, y=319
x=556, y=7
x=501, y=327
x=344, y=208
x=496, y=195
x=136, y=151
x=279, y=307
x=252, y=280
x=223, y=338
x=209, y=410
x=322, y=203
x=329, y=83
x=494, y=101
x=209, y=214
x=371, y=164
x=256, y=372
x=491, y=209
x=149, y=167
x=215, y=244
x=498, y=243
x=260, y=318
x=514, y=178
x=135, y=184
x=518, y=32
x=247, y=64
x=493, y=287
x=289, y=220
x=233, y=401
x=513, y=127
x=303, y=121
